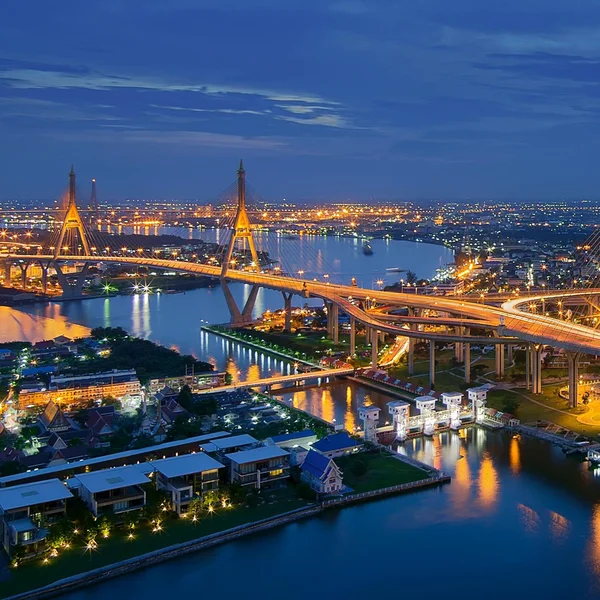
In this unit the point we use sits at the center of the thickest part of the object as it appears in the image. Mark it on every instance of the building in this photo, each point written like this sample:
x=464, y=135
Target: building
x=52, y=420
x=234, y=443
x=259, y=466
x=83, y=389
x=337, y=444
x=322, y=474
x=119, y=459
x=25, y=509
x=185, y=477
x=289, y=440
x=112, y=491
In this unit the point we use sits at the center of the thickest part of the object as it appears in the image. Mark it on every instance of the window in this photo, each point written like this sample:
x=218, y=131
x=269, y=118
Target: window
x=27, y=536
x=275, y=472
x=117, y=506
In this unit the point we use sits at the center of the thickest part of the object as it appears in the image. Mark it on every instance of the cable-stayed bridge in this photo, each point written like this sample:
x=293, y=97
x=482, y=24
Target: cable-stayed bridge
x=239, y=255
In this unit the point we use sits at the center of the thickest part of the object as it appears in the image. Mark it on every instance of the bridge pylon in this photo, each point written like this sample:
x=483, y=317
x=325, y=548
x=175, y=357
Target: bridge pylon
x=72, y=220
x=242, y=228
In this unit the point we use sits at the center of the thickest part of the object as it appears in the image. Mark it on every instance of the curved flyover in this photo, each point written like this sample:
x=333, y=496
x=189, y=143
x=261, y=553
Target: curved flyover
x=510, y=323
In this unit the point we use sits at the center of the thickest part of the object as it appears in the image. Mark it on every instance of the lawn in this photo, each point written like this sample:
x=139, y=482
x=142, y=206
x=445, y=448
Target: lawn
x=383, y=470
x=118, y=546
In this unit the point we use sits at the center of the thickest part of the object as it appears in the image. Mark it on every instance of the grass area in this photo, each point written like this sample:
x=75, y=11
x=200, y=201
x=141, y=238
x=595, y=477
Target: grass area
x=118, y=547
x=382, y=470
x=542, y=407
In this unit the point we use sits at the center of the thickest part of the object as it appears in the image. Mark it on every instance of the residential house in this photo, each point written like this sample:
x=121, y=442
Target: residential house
x=185, y=477
x=112, y=491
x=259, y=466
x=322, y=474
x=234, y=443
x=26, y=509
x=289, y=440
x=337, y=444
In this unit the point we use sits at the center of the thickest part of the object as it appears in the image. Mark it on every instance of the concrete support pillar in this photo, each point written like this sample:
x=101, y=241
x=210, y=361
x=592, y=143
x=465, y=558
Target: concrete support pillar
x=335, y=324
x=382, y=337
x=536, y=368
x=573, y=362
x=467, y=363
x=72, y=285
x=44, y=266
x=23, y=268
x=243, y=317
x=411, y=355
x=499, y=361
x=509, y=354
x=352, y=336
x=458, y=346
x=374, y=348
x=7, y=269
x=287, y=308
x=431, y=364
x=527, y=367
x=329, y=307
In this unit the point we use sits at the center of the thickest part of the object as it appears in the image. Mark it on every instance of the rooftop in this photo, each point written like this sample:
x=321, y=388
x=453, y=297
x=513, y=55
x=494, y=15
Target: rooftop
x=256, y=454
x=234, y=441
x=286, y=437
x=335, y=441
x=178, y=466
x=316, y=463
x=129, y=455
x=112, y=479
x=29, y=494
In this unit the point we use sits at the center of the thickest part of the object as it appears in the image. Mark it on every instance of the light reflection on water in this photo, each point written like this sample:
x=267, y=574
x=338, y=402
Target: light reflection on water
x=497, y=530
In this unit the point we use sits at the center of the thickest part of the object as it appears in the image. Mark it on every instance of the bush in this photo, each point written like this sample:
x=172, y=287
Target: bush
x=510, y=405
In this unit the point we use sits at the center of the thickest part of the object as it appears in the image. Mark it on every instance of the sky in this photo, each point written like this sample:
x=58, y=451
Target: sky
x=323, y=99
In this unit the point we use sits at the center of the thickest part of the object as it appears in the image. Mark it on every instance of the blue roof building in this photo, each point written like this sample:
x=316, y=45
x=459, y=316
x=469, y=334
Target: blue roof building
x=337, y=444
x=296, y=438
x=322, y=474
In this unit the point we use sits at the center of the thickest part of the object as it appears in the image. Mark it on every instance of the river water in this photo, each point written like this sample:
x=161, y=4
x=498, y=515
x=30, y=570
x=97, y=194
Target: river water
x=519, y=519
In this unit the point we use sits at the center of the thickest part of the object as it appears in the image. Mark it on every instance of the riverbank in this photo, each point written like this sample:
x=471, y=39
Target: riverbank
x=53, y=583
x=247, y=340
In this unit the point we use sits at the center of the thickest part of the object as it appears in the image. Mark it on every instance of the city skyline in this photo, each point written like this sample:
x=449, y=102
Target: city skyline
x=337, y=101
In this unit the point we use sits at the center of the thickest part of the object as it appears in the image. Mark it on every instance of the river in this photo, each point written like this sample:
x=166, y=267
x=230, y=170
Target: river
x=519, y=520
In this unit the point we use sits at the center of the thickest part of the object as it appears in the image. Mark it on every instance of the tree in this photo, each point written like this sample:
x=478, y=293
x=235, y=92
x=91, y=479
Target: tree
x=510, y=404
x=186, y=398
x=411, y=277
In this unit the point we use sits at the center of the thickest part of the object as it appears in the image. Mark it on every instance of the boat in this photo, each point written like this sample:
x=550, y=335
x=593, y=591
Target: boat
x=394, y=270
x=367, y=249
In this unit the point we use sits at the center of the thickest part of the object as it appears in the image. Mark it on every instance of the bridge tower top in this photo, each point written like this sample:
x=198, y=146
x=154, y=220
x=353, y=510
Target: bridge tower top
x=72, y=221
x=242, y=228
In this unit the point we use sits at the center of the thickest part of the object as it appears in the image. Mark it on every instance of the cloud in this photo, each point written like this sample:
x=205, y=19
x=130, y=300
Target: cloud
x=323, y=120
x=227, y=111
x=93, y=80
x=179, y=138
x=36, y=108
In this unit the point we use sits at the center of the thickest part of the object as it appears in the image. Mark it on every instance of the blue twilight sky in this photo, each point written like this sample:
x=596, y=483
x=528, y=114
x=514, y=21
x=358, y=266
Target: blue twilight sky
x=324, y=99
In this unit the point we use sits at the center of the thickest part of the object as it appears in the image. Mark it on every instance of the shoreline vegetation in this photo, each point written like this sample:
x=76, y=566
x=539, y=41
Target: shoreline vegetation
x=77, y=563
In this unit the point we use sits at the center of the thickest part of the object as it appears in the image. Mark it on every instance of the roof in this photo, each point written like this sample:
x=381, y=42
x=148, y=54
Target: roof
x=316, y=464
x=21, y=496
x=178, y=466
x=112, y=479
x=53, y=417
x=256, y=454
x=286, y=437
x=335, y=441
x=132, y=455
x=234, y=441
